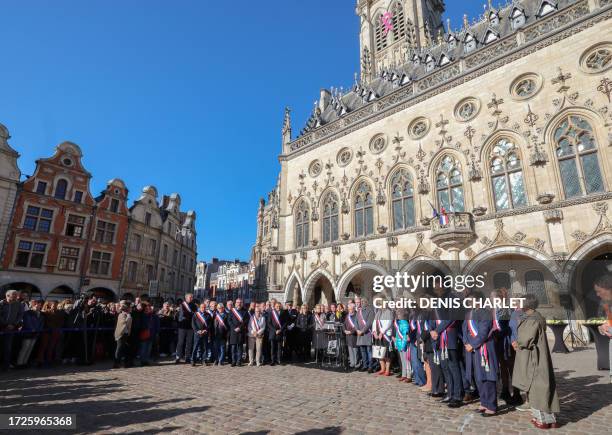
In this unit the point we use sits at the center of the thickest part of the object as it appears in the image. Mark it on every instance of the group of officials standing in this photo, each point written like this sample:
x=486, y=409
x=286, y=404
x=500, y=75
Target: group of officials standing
x=454, y=355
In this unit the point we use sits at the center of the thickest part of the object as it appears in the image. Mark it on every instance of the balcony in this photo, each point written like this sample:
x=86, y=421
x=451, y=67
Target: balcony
x=457, y=234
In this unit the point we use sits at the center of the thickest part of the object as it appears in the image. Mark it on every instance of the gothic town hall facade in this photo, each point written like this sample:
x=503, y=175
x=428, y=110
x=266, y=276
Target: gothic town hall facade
x=505, y=123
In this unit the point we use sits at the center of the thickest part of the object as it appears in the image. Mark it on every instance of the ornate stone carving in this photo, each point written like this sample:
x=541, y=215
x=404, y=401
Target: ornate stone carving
x=538, y=244
x=479, y=211
x=545, y=198
x=469, y=253
x=303, y=255
x=336, y=250
x=538, y=156
x=580, y=236
x=345, y=236
x=392, y=241
x=456, y=234
x=519, y=236
x=553, y=216
x=605, y=87
x=381, y=229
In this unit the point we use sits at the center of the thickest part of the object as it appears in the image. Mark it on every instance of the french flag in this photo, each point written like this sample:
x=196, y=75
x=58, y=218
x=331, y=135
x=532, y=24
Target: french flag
x=441, y=215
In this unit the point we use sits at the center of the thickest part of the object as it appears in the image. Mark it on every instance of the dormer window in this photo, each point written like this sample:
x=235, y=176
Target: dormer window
x=405, y=79
x=469, y=44
x=452, y=41
x=518, y=18
x=444, y=60
x=416, y=60
x=546, y=8
x=490, y=37
x=494, y=18
x=430, y=63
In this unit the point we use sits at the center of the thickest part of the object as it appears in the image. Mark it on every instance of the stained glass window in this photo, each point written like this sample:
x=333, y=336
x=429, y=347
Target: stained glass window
x=507, y=176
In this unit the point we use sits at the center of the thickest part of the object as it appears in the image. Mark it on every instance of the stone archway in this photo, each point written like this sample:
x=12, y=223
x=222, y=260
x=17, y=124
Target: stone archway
x=60, y=293
x=103, y=293
x=585, y=266
x=521, y=271
x=293, y=289
x=319, y=288
x=358, y=280
x=426, y=266
x=30, y=291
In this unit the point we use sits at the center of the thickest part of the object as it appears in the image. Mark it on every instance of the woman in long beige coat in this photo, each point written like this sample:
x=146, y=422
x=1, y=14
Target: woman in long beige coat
x=533, y=370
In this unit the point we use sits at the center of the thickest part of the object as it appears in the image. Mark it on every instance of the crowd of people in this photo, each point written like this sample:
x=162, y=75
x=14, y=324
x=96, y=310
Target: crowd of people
x=455, y=356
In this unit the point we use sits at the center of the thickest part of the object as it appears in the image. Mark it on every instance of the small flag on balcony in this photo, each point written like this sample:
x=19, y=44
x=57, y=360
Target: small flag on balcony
x=440, y=215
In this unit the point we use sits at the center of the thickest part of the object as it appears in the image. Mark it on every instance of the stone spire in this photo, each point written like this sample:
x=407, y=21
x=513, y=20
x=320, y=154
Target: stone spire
x=287, y=127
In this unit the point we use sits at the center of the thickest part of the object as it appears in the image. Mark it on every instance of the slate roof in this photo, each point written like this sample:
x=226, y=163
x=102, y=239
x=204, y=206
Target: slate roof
x=493, y=25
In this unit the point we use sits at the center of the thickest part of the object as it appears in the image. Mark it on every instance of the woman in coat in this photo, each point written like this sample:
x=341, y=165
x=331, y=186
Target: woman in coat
x=533, y=370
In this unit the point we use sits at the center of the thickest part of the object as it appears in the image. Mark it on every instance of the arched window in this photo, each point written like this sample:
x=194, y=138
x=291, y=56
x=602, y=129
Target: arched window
x=449, y=184
x=60, y=189
x=399, y=22
x=402, y=195
x=330, y=218
x=534, y=284
x=380, y=33
x=364, y=214
x=302, y=222
x=507, y=176
x=502, y=280
x=577, y=154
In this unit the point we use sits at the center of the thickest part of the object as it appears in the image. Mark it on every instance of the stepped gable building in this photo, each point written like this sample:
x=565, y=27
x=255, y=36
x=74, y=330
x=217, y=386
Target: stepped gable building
x=505, y=123
x=61, y=240
x=9, y=181
x=161, y=251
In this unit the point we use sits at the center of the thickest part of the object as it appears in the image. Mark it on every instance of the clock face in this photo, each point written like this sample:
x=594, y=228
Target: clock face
x=387, y=22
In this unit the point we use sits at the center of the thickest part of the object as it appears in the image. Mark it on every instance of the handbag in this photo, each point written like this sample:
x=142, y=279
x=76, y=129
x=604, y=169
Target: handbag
x=379, y=352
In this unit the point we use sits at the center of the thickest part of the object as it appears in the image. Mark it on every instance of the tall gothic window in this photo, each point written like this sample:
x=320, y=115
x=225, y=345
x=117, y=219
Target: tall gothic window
x=302, y=222
x=364, y=212
x=577, y=155
x=507, y=176
x=449, y=185
x=402, y=194
x=534, y=284
x=330, y=218
x=380, y=33
x=399, y=22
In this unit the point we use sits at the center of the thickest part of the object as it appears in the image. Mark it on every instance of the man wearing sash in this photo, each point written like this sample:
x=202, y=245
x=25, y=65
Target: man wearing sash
x=237, y=322
x=221, y=332
x=319, y=337
x=480, y=358
x=446, y=335
x=184, y=344
x=201, y=324
x=416, y=357
x=365, y=318
x=303, y=328
x=350, y=328
x=277, y=324
x=256, y=328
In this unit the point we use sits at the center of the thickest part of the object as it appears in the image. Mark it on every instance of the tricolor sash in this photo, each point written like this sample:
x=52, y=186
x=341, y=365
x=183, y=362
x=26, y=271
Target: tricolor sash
x=350, y=321
x=383, y=331
x=320, y=322
x=255, y=325
x=472, y=328
x=186, y=306
x=220, y=321
x=495, y=326
x=413, y=325
x=276, y=319
x=236, y=314
x=201, y=319
x=397, y=330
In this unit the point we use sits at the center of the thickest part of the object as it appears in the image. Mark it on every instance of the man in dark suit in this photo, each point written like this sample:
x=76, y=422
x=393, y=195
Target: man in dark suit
x=202, y=324
x=277, y=325
x=184, y=345
x=238, y=320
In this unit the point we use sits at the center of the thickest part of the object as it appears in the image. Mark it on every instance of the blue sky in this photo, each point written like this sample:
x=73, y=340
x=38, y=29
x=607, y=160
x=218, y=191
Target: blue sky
x=184, y=95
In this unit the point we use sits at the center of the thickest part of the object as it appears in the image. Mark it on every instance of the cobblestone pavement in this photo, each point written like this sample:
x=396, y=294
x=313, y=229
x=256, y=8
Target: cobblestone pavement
x=283, y=400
